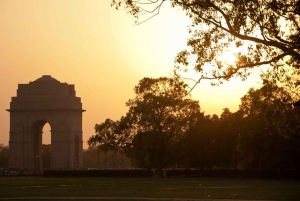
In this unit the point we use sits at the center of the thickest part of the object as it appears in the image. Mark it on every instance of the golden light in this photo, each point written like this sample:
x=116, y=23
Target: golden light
x=228, y=57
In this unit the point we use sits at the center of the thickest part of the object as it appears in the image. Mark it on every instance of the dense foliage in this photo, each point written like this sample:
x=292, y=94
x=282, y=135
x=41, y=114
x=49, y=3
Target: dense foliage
x=271, y=123
x=263, y=134
x=165, y=130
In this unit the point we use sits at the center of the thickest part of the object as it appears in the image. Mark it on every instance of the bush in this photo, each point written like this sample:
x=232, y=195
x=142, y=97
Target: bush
x=231, y=173
x=98, y=173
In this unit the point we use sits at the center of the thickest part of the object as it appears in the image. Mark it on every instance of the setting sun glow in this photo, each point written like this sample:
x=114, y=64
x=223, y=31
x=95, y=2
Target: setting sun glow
x=228, y=57
x=100, y=51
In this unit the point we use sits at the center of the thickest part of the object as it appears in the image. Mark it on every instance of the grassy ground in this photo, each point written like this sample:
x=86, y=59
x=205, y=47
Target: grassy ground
x=206, y=188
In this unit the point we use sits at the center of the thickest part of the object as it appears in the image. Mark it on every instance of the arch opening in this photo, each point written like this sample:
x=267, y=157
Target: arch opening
x=46, y=134
x=46, y=147
x=41, y=151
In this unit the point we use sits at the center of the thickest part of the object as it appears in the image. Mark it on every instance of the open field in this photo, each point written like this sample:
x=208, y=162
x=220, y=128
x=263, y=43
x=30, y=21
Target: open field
x=200, y=188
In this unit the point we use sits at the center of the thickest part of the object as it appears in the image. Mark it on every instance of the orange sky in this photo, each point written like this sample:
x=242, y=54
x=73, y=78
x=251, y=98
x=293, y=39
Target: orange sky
x=100, y=50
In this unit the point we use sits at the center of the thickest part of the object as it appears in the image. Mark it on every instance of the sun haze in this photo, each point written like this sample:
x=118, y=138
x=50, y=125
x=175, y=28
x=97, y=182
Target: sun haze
x=98, y=49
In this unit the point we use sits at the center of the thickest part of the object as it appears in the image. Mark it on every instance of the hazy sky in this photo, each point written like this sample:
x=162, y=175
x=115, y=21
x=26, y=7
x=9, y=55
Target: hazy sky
x=100, y=50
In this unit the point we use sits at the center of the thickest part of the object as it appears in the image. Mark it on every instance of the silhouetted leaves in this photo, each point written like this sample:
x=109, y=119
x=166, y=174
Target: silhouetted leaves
x=268, y=31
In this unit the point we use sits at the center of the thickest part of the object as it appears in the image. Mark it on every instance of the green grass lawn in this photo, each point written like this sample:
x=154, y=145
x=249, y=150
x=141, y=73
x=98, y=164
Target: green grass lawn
x=206, y=188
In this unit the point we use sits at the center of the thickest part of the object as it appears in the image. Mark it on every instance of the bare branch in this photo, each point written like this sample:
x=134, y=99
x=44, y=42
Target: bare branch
x=157, y=9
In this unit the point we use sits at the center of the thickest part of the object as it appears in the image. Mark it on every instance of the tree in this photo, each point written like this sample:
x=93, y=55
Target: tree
x=158, y=119
x=95, y=159
x=212, y=142
x=266, y=32
x=271, y=123
x=90, y=157
x=200, y=143
x=3, y=156
x=227, y=138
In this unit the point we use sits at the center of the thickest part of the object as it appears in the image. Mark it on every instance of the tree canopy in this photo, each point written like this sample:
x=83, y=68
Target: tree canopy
x=265, y=32
x=152, y=131
x=271, y=123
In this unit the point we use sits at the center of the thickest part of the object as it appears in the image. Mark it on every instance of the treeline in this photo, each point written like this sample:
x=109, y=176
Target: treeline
x=164, y=128
x=263, y=134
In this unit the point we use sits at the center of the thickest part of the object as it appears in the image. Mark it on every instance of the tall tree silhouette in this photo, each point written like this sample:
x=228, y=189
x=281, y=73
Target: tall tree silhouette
x=270, y=134
x=152, y=131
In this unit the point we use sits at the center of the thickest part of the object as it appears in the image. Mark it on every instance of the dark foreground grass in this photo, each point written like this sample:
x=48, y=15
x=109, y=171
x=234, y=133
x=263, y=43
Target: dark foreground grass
x=201, y=188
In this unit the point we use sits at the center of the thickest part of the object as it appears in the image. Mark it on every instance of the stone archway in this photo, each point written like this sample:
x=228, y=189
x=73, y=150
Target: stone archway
x=45, y=100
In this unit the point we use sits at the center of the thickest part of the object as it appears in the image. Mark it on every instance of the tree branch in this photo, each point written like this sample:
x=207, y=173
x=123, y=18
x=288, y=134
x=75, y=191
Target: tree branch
x=230, y=29
x=234, y=71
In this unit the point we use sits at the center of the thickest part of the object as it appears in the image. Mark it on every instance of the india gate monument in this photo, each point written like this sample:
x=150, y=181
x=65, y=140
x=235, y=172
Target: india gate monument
x=45, y=100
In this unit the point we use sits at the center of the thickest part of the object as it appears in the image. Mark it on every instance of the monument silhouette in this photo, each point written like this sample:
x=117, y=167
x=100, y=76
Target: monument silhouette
x=45, y=100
